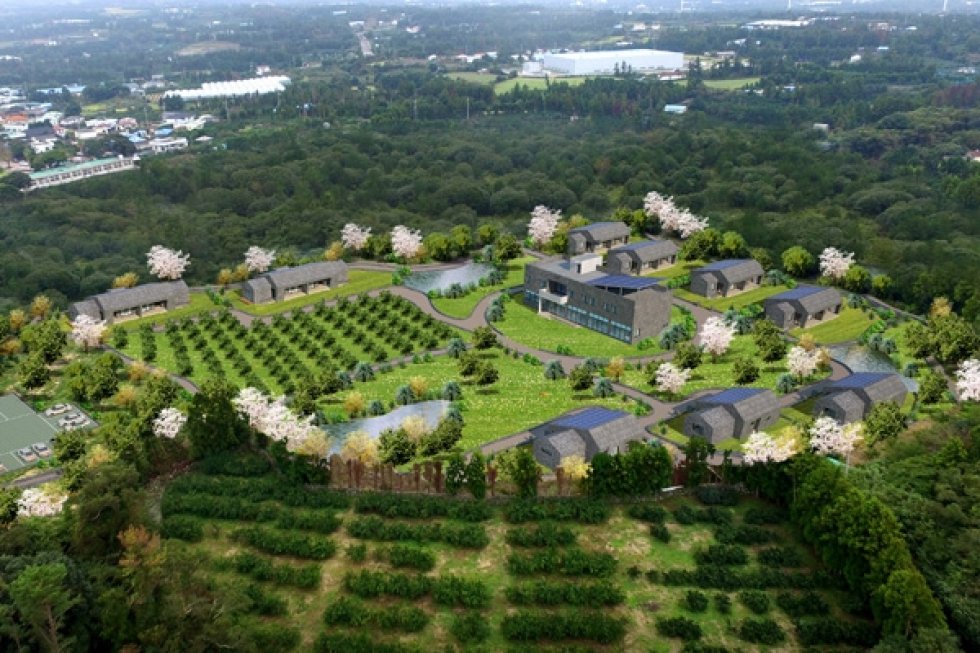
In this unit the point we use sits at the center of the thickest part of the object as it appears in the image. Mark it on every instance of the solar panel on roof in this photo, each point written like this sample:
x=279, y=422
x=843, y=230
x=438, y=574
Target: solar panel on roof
x=623, y=281
x=799, y=292
x=860, y=380
x=733, y=395
x=589, y=418
x=724, y=265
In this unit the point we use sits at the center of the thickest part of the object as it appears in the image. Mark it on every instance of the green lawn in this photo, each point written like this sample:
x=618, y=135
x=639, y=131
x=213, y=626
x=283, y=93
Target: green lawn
x=741, y=300
x=358, y=281
x=677, y=270
x=199, y=303
x=731, y=84
x=520, y=399
x=475, y=78
x=850, y=324
x=462, y=307
x=535, y=83
x=523, y=324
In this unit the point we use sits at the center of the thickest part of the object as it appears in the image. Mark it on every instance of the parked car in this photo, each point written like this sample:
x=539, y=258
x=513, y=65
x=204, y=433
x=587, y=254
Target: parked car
x=57, y=409
x=41, y=449
x=81, y=420
x=27, y=455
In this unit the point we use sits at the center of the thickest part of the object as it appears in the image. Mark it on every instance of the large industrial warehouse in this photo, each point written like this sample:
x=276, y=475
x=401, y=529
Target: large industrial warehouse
x=605, y=62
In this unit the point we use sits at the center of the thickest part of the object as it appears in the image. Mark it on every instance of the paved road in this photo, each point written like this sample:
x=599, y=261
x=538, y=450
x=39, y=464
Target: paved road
x=37, y=479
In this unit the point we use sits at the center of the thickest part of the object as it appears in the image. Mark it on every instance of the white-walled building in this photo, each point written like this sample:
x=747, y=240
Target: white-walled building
x=236, y=88
x=605, y=62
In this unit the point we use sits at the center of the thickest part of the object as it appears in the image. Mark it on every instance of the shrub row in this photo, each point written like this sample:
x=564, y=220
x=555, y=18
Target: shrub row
x=648, y=512
x=258, y=490
x=722, y=554
x=469, y=627
x=726, y=578
x=555, y=592
x=584, y=511
x=349, y=611
x=336, y=642
x=412, y=557
x=660, y=532
x=265, y=603
x=761, y=515
x=465, y=536
x=267, y=636
x=804, y=605
x=546, y=534
x=445, y=590
x=744, y=534
x=263, y=569
x=755, y=600
x=780, y=556
x=679, y=627
x=286, y=542
x=217, y=507
x=818, y=631
x=717, y=495
x=421, y=507
x=319, y=521
x=761, y=631
x=571, y=562
x=696, y=601
x=182, y=527
x=458, y=591
x=526, y=626
x=710, y=515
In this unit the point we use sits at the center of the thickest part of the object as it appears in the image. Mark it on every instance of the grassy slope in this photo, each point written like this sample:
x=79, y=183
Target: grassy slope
x=462, y=307
x=754, y=296
x=520, y=399
x=850, y=324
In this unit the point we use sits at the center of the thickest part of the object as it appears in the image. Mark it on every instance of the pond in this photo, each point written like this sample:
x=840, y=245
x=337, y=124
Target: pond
x=431, y=412
x=862, y=359
x=441, y=280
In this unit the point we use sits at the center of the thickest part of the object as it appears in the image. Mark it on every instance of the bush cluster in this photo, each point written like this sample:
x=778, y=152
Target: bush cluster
x=755, y=600
x=660, y=532
x=262, y=569
x=445, y=590
x=279, y=542
x=545, y=534
x=780, y=556
x=723, y=603
x=584, y=511
x=528, y=626
x=411, y=557
x=338, y=642
x=570, y=562
x=268, y=636
x=421, y=507
x=803, y=605
x=265, y=604
x=182, y=527
x=458, y=591
x=696, y=601
x=717, y=495
x=648, y=512
x=469, y=627
x=710, y=515
x=679, y=627
x=722, y=554
x=725, y=578
x=234, y=464
x=761, y=631
x=762, y=515
x=464, y=536
x=318, y=521
x=556, y=592
x=744, y=534
x=257, y=490
x=218, y=507
x=820, y=631
x=349, y=611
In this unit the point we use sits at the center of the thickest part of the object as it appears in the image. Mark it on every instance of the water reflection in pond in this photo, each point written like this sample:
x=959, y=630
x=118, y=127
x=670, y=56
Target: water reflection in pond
x=430, y=411
x=441, y=280
x=863, y=359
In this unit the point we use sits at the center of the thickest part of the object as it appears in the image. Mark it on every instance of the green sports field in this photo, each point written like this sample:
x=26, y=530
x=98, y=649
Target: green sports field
x=21, y=427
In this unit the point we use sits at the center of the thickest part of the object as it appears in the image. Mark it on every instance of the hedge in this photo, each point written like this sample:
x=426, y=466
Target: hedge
x=372, y=527
x=584, y=511
x=269, y=637
x=725, y=578
x=746, y=534
x=413, y=557
x=762, y=515
x=371, y=584
x=679, y=627
x=761, y=631
x=265, y=603
x=286, y=542
x=710, y=515
x=545, y=535
x=648, y=512
x=182, y=527
x=717, y=495
x=349, y=611
x=421, y=507
x=247, y=465
x=257, y=490
x=804, y=605
x=335, y=642
x=457, y=591
x=696, y=601
x=470, y=627
x=722, y=554
x=318, y=521
x=780, y=556
x=527, y=626
x=556, y=592
x=217, y=507
x=818, y=631
x=755, y=600
x=571, y=562
x=262, y=569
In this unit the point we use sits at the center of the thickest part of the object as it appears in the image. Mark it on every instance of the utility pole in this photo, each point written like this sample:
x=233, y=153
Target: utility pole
x=467, y=109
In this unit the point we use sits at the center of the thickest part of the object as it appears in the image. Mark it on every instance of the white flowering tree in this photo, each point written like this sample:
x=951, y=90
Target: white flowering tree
x=87, y=332
x=828, y=436
x=40, y=502
x=968, y=380
x=671, y=379
x=761, y=447
x=801, y=362
x=834, y=263
x=166, y=263
x=543, y=225
x=274, y=419
x=168, y=423
x=354, y=237
x=671, y=216
x=406, y=242
x=716, y=335
x=258, y=259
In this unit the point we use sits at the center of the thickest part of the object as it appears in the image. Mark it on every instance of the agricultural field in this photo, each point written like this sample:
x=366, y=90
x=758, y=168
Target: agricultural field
x=474, y=78
x=847, y=326
x=358, y=282
x=462, y=307
x=731, y=84
x=326, y=571
x=521, y=398
x=274, y=355
x=535, y=83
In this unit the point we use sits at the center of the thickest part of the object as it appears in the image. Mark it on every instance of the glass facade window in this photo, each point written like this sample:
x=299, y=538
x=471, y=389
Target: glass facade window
x=582, y=317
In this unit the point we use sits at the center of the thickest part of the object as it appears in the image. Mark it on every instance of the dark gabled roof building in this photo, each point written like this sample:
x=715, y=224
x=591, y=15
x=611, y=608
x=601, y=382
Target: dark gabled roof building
x=732, y=413
x=728, y=277
x=597, y=237
x=851, y=399
x=636, y=258
x=127, y=303
x=803, y=306
x=278, y=284
x=585, y=433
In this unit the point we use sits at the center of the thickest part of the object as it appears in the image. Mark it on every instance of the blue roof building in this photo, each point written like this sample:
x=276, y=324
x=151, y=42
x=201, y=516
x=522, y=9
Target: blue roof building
x=585, y=433
x=639, y=257
x=726, y=278
x=851, y=399
x=732, y=413
x=803, y=306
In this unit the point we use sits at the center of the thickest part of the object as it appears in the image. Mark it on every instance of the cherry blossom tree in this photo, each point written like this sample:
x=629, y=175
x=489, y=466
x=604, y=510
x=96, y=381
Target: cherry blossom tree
x=87, y=332
x=834, y=263
x=761, y=447
x=406, y=242
x=716, y=336
x=258, y=259
x=543, y=225
x=40, y=502
x=828, y=436
x=803, y=363
x=671, y=379
x=168, y=423
x=166, y=263
x=354, y=237
x=672, y=217
x=273, y=418
x=968, y=380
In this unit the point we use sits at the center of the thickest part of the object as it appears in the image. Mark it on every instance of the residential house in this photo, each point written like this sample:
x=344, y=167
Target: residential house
x=851, y=399
x=597, y=237
x=803, y=306
x=585, y=433
x=726, y=278
x=640, y=257
x=283, y=283
x=121, y=304
x=732, y=413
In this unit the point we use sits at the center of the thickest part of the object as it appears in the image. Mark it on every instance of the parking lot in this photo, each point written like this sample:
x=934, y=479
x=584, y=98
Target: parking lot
x=21, y=427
